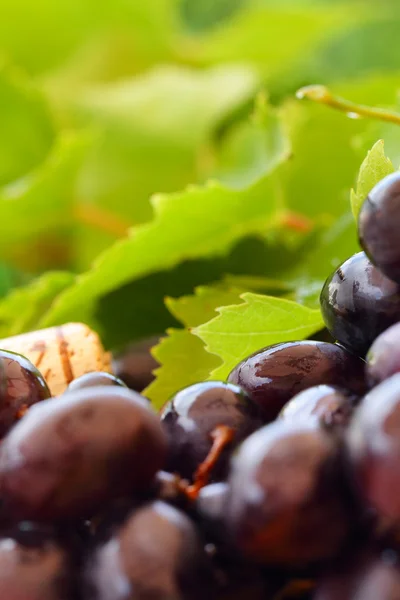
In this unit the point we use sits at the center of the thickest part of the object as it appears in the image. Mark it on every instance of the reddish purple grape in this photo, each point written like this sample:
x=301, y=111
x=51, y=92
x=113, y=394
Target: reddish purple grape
x=193, y=414
x=358, y=302
x=379, y=226
x=35, y=565
x=273, y=375
x=327, y=405
x=374, y=449
x=288, y=504
x=94, y=379
x=21, y=386
x=156, y=554
x=383, y=358
x=68, y=457
x=368, y=576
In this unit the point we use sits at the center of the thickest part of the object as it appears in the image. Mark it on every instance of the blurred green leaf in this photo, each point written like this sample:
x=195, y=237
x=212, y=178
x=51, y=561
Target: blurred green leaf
x=240, y=330
x=374, y=168
x=21, y=310
x=43, y=199
x=269, y=37
x=43, y=35
x=153, y=133
x=251, y=147
x=197, y=223
x=26, y=126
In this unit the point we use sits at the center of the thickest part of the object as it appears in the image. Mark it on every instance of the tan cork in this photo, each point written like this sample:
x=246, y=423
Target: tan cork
x=61, y=353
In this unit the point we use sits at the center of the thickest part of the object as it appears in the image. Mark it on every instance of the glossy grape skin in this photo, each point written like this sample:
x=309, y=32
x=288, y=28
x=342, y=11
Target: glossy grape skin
x=288, y=504
x=78, y=452
x=326, y=405
x=156, y=554
x=273, y=375
x=373, y=443
x=35, y=565
x=379, y=226
x=383, y=358
x=191, y=416
x=358, y=302
x=22, y=385
x=370, y=576
x=94, y=380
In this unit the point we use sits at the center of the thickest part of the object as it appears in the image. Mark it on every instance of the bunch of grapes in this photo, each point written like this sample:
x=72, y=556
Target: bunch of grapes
x=282, y=483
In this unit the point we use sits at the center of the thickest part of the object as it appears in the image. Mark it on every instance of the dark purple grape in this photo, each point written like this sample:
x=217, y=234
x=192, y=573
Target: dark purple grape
x=273, y=375
x=212, y=500
x=193, y=414
x=168, y=487
x=374, y=449
x=379, y=226
x=240, y=580
x=70, y=456
x=94, y=380
x=135, y=364
x=368, y=576
x=288, y=504
x=21, y=386
x=358, y=302
x=383, y=358
x=35, y=565
x=155, y=555
x=326, y=405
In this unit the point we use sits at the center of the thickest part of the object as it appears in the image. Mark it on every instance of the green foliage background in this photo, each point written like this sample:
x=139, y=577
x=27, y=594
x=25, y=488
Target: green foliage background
x=155, y=166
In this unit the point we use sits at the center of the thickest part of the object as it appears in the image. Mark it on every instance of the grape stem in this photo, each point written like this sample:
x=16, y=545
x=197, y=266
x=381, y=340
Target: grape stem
x=322, y=95
x=222, y=435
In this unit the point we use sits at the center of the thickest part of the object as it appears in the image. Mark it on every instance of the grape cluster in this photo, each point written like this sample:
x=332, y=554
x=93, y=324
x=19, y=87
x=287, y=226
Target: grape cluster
x=282, y=483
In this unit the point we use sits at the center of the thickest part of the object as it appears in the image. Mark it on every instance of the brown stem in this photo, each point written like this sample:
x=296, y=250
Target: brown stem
x=322, y=95
x=222, y=435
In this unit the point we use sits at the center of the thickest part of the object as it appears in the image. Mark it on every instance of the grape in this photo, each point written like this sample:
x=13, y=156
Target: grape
x=383, y=358
x=194, y=413
x=358, y=302
x=156, y=555
x=135, y=364
x=379, y=226
x=22, y=385
x=211, y=500
x=374, y=449
x=34, y=565
x=288, y=504
x=94, y=380
x=327, y=405
x=69, y=456
x=273, y=375
x=365, y=577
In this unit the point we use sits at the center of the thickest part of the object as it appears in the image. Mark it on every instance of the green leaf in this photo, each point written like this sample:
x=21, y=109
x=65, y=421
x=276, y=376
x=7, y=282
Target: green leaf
x=184, y=362
x=317, y=180
x=197, y=223
x=44, y=198
x=238, y=331
x=251, y=147
x=25, y=124
x=375, y=167
x=201, y=306
x=269, y=37
x=43, y=35
x=153, y=133
x=182, y=356
x=22, y=308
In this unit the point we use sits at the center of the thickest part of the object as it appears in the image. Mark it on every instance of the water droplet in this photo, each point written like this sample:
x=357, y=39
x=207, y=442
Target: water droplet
x=353, y=115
